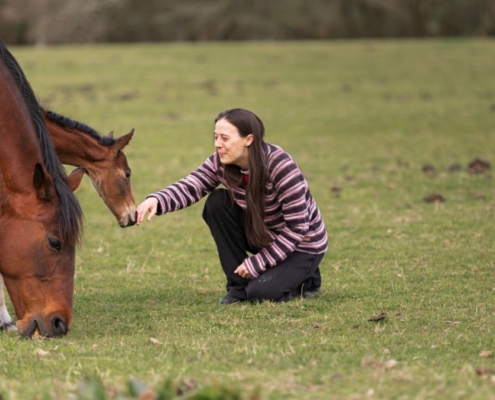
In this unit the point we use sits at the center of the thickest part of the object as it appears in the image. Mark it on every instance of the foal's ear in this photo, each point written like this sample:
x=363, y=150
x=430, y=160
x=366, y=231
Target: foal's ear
x=123, y=141
x=75, y=177
x=43, y=183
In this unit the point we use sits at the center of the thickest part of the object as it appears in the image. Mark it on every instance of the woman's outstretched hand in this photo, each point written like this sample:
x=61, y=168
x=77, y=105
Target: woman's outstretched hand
x=151, y=205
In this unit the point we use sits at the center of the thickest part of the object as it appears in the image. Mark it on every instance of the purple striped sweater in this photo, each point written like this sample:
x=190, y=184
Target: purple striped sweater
x=291, y=214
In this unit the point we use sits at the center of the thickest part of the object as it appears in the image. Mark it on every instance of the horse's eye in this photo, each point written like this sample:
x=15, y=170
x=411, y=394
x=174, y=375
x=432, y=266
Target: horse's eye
x=128, y=175
x=55, y=244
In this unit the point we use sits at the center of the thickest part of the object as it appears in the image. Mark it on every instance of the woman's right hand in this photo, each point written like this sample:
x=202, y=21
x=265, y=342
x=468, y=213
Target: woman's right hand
x=151, y=205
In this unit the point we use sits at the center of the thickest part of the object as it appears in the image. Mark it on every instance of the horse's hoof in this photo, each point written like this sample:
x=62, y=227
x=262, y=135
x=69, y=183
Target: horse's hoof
x=9, y=326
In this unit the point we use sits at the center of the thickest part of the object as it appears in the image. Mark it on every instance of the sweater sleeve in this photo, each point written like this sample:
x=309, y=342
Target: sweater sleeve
x=291, y=190
x=188, y=190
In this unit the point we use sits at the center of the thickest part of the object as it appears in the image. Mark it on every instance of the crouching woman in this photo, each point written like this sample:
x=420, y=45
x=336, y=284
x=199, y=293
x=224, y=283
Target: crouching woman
x=268, y=230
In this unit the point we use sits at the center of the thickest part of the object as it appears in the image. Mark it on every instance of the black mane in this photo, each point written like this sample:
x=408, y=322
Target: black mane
x=68, y=123
x=70, y=213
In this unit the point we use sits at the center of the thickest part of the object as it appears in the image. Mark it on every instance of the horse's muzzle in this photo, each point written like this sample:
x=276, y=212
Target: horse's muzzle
x=56, y=326
x=128, y=220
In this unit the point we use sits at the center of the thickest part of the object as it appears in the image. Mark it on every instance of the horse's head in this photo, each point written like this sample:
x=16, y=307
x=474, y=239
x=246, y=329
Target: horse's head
x=80, y=145
x=38, y=258
x=111, y=178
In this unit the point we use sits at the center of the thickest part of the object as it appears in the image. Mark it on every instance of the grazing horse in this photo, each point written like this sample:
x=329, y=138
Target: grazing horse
x=40, y=218
x=102, y=159
x=79, y=145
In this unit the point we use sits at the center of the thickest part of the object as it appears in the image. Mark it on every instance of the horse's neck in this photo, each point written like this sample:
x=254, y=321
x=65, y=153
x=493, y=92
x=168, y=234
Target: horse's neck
x=74, y=147
x=19, y=153
x=19, y=146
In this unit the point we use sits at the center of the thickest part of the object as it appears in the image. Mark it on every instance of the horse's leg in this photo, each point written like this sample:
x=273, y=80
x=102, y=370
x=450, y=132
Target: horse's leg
x=6, y=322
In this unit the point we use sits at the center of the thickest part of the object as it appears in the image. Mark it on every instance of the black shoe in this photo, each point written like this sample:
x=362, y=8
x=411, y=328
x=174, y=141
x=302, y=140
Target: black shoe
x=227, y=299
x=311, y=293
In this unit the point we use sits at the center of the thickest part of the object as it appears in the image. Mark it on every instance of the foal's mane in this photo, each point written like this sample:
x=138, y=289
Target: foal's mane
x=68, y=123
x=70, y=216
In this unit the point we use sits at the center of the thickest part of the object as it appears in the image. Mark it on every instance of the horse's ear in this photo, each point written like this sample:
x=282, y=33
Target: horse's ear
x=75, y=177
x=123, y=141
x=43, y=183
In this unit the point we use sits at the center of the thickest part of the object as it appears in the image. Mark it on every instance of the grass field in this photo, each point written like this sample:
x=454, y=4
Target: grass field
x=362, y=119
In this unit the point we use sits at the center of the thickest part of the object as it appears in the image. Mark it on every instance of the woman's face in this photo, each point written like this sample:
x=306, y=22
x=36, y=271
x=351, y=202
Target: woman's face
x=231, y=147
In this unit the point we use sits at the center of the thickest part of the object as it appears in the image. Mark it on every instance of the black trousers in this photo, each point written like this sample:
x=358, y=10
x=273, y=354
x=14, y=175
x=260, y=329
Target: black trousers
x=298, y=273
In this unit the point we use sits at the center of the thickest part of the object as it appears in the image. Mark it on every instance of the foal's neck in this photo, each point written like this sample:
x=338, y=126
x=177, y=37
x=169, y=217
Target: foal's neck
x=74, y=147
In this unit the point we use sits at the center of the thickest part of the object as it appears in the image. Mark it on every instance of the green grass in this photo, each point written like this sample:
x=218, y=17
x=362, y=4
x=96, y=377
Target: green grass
x=365, y=116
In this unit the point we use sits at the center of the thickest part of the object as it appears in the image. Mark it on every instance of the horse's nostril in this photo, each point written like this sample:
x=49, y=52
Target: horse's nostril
x=59, y=326
x=131, y=222
x=128, y=220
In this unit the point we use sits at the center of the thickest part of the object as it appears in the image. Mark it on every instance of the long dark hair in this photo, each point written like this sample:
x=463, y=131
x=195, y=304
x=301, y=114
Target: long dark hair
x=247, y=123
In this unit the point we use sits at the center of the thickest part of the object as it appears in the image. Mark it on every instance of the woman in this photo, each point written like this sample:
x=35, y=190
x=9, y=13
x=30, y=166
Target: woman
x=266, y=210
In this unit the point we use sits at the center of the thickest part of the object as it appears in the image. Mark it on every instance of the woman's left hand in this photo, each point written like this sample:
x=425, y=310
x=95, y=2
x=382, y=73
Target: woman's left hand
x=243, y=272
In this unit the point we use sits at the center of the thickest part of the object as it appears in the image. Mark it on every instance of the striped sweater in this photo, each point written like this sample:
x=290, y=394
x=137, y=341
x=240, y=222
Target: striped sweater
x=291, y=214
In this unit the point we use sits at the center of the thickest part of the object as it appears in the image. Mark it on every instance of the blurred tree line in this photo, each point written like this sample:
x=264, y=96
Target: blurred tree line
x=82, y=21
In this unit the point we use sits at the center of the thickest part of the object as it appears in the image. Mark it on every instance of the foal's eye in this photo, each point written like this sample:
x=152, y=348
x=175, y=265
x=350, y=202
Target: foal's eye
x=128, y=175
x=55, y=244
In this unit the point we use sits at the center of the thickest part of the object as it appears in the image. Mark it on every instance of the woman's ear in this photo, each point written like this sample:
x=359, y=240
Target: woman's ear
x=249, y=140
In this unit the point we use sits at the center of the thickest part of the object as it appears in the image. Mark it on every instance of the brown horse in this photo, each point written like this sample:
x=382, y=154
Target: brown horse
x=40, y=218
x=79, y=145
x=102, y=159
